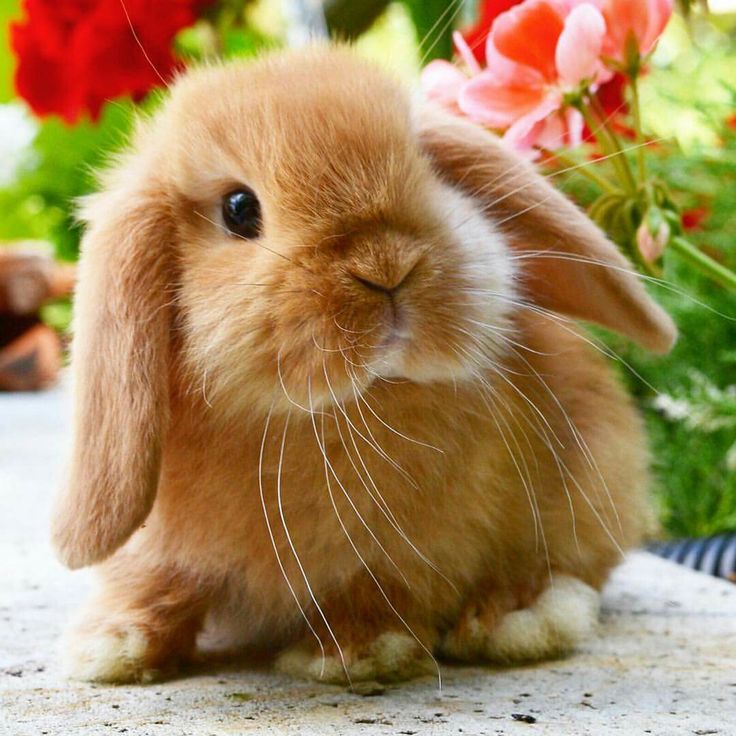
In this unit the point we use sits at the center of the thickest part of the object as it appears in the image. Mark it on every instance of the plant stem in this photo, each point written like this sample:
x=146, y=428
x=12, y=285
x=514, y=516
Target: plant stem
x=704, y=263
x=571, y=166
x=602, y=136
x=636, y=110
x=620, y=158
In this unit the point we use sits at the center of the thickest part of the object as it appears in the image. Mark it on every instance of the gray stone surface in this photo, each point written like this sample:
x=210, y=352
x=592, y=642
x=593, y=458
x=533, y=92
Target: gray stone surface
x=665, y=662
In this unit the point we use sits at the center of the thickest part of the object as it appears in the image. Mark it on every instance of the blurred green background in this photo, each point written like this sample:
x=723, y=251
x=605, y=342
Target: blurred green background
x=689, y=100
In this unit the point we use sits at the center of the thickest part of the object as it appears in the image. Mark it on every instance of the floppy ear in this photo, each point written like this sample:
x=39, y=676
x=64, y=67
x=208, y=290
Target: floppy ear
x=120, y=363
x=580, y=272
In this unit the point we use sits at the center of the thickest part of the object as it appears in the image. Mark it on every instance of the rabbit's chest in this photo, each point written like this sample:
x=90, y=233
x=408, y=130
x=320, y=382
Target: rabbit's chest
x=316, y=502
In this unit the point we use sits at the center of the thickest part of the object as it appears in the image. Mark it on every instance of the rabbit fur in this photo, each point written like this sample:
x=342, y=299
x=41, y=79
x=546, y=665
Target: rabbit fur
x=372, y=435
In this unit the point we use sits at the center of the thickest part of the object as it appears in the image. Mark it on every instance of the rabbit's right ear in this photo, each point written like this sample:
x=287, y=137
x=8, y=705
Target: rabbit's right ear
x=568, y=265
x=120, y=361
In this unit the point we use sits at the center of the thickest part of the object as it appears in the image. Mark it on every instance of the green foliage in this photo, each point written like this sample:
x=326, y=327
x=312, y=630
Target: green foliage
x=41, y=202
x=688, y=397
x=347, y=19
x=434, y=21
x=692, y=421
x=58, y=314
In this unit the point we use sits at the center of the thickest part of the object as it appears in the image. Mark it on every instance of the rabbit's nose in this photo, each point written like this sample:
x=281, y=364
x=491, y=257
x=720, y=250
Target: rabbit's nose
x=375, y=283
x=386, y=283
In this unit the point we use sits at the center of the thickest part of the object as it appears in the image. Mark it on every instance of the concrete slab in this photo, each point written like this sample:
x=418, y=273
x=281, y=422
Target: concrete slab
x=665, y=662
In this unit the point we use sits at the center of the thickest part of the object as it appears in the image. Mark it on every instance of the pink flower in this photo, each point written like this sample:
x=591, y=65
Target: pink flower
x=442, y=82
x=642, y=20
x=475, y=37
x=538, y=53
x=542, y=57
x=653, y=235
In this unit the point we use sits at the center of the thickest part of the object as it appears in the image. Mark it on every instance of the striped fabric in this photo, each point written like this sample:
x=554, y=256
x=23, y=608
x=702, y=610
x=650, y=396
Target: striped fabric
x=713, y=555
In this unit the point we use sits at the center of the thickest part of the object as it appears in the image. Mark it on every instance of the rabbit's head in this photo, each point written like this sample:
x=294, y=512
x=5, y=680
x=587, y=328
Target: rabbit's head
x=285, y=233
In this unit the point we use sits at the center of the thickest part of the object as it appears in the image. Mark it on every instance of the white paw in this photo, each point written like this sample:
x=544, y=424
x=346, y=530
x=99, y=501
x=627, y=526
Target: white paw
x=114, y=655
x=565, y=614
x=390, y=657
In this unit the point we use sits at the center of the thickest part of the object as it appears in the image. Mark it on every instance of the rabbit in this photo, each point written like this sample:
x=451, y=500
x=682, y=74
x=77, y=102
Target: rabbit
x=329, y=387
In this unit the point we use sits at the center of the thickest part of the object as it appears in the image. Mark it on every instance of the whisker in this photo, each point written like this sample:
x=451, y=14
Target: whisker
x=141, y=47
x=562, y=466
x=525, y=479
x=586, y=260
x=296, y=556
x=283, y=385
x=273, y=540
x=373, y=441
x=354, y=332
x=383, y=505
x=523, y=162
x=250, y=241
x=564, y=323
x=353, y=506
x=396, y=431
x=487, y=207
x=555, y=456
x=204, y=389
x=441, y=31
x=579, y=439
x=360, y=556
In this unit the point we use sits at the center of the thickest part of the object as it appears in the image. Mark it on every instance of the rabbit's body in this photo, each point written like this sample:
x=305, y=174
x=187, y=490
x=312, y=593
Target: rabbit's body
x=455, y=530
x=405, y=458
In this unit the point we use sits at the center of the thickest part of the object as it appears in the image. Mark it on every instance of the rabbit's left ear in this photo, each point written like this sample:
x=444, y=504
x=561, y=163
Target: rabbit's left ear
x=568, y=264
x=120, y=360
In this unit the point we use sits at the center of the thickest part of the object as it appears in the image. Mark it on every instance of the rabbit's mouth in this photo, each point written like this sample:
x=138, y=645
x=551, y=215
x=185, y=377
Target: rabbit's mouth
x=394, y=343
x=390, y=360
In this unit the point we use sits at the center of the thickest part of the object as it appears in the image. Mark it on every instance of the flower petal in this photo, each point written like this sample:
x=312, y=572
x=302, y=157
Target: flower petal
x=477, y=36
x=622, y=18
x=465, y=53
x=660, y=12
x=442, y=82
x=552, y=132
x=498, y=102
x=526, y=131
x=580, y=44
x=575, y=127
x=528, y=34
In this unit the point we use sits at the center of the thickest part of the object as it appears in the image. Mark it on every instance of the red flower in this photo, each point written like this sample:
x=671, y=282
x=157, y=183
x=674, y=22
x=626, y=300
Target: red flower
x=611, y=96
x=74, y=55
x=693, y=218
x=477, y=35
x=731, y=121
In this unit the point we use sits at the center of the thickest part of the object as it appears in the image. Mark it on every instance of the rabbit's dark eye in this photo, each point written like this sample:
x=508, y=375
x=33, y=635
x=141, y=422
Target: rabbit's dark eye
x=241, y=212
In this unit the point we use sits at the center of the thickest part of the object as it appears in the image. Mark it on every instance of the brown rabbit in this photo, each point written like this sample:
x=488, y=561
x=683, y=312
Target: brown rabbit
x=324, y=384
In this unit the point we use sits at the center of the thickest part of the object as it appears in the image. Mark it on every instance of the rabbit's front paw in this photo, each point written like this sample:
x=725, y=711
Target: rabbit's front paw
x=390, y=657
x=109, y=654
x=561, y=617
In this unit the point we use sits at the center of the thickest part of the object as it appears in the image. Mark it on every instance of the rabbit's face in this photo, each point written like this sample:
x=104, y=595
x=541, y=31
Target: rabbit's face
x=319, y=252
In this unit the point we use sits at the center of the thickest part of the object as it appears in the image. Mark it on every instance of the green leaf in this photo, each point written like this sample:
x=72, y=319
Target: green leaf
x=435, y=21
x=40, y=204
x=347, y=19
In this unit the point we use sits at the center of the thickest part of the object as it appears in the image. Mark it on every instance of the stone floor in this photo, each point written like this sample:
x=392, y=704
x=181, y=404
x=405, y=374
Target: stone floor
x=665, y=662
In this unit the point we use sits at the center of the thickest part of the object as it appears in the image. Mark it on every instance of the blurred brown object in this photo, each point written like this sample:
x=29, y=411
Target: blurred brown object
x=30, y=352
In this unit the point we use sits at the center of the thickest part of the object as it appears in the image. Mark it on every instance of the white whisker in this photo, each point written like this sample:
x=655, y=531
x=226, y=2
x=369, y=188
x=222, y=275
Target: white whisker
x=296, y=556
x=273, y=540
